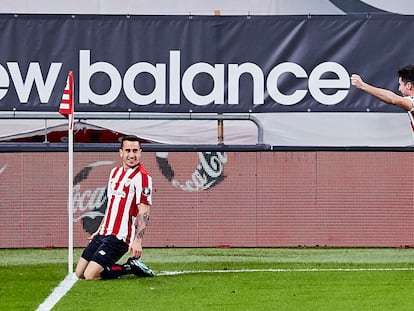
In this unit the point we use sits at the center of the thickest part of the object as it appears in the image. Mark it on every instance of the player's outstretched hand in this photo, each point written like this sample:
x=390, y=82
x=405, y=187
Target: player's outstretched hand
x=356, y=81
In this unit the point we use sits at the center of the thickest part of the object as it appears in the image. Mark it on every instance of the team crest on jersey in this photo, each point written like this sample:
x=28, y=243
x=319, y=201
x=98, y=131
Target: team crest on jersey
x=146, y=191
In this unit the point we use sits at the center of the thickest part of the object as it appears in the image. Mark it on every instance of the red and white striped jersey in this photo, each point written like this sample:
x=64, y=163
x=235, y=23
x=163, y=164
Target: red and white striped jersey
x=126, y=190
x=410, y=113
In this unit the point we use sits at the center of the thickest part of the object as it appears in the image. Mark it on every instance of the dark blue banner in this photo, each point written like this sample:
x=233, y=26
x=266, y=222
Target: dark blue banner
x=200, y=63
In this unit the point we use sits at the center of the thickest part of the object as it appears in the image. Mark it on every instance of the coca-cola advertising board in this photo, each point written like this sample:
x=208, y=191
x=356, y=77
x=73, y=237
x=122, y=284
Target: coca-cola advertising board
x=209, y=199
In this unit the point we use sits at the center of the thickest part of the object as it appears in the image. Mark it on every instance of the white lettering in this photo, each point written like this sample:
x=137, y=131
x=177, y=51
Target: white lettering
x=34, y=76
x=180, y=82
x=209, y=169
x=273, y=89
x=157, y=72
x=235, y=72
x=214, y=168
x=316, y=83
x=88, y=200
x=175, y=77
x=217, y=74
x=4, y=82
x=86, y=194
x=86, y=71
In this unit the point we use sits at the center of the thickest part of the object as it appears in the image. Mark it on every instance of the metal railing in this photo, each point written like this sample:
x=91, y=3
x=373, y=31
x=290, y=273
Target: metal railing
x=139, y=116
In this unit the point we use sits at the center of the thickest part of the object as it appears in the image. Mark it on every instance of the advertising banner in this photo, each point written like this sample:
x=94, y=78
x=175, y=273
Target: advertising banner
x=216, y=199
x=206, y=64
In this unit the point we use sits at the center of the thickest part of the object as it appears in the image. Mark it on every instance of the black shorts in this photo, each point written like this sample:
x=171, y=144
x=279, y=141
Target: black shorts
x=105, y=250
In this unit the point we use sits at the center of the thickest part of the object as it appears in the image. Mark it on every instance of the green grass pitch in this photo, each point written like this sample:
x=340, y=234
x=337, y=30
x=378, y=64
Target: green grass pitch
x=221, y=279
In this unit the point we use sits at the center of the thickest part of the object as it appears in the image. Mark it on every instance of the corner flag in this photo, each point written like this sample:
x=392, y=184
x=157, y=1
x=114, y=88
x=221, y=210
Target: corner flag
x=66, y=107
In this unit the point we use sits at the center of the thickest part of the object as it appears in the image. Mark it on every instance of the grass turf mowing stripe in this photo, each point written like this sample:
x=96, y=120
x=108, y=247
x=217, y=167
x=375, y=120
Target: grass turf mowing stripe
x=58, y=293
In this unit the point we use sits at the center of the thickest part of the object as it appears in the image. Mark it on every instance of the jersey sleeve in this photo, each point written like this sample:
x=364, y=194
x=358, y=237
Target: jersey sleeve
x=145, y=191
x=410, y=113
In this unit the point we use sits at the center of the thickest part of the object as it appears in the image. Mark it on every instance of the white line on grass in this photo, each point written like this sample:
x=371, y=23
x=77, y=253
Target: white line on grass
x=58, y=293
x=167, y=273
x=71, y=279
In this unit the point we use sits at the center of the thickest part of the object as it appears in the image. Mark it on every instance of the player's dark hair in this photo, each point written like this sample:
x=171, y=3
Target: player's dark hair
x=129, y=138
x=406, y=73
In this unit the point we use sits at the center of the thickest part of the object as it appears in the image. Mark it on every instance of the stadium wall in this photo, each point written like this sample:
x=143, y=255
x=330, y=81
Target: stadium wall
x=210, y=199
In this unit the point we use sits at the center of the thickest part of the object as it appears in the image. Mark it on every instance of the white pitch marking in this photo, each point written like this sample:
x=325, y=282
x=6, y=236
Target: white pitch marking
x=71, y=279
x=58, y=293
x=168, y=273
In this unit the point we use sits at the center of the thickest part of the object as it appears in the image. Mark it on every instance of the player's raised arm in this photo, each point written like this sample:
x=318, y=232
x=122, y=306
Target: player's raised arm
x=384, y=95
x=405, y=86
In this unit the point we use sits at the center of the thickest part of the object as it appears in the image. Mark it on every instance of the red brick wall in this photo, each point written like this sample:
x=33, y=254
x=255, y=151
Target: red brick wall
x=259, y=199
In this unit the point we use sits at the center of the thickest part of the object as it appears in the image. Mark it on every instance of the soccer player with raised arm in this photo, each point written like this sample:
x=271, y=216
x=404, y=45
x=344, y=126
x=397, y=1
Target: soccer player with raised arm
x=405, y=86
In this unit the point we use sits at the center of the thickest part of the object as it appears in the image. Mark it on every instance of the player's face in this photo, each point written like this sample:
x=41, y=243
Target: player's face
x=130, y=154
x=405, y=87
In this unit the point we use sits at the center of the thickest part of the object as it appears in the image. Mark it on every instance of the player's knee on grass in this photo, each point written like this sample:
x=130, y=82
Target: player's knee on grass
x=80, y=268
x=93, y=271
x=79, y=275
x=91, y=275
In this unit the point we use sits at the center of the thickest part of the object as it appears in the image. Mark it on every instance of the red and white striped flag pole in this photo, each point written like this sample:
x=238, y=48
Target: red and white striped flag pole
x=66, y=108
